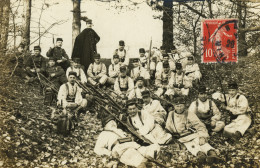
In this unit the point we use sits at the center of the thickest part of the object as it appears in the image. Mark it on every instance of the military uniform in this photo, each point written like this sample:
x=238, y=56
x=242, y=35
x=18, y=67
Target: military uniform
x=76, y=67
x=192, y=70
x=139, y=71
x=19, y=59
x=139, y=88
x=113, y=71
x=123, y=57
x=59, y=75
x=159, y=66
x=130, y=153
x=97, y=72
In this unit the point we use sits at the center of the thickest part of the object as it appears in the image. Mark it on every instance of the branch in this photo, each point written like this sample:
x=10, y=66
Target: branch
x=250, y=29
x=193, y=10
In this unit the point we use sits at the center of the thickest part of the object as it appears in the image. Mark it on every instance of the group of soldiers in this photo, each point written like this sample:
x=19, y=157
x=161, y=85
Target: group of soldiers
x=155, y=77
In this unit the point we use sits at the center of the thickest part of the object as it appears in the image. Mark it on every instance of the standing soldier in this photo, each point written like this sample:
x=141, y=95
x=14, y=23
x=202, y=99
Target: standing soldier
x=97, y=72
x=192, y=70
x=113, y=70
x=162, y=80
x=59, y=54
x=123, y=57
x=56, y=76
x=191, y=131
x=237, y=105
x=146, y=125
x=36, y=63
x=124, y=85
x=85, y=45
x=207, y=111
x=76, y=67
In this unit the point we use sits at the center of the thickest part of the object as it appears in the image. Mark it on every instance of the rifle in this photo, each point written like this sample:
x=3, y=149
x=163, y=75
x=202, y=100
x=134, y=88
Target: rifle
x=161, y=99
x=187, y=73
x=149, y=56
x=50, y=84
x=38, y=76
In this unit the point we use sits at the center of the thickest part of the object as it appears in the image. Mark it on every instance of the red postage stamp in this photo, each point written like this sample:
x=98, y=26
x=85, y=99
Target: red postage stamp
x=219, y=40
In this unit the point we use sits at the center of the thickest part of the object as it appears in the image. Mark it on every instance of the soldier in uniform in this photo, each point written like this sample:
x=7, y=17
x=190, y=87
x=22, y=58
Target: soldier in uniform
x=143, y=59
x=113, y=70
x=59, y=54
x=69, y=95
x=139, y=71
x=97, y=72
x=191, y=131
x=179, y=83
x=124, y=85
x=112, y=142
x=162, y=80
x=207, y=111
x=192, y=70
x=20, y=60
x=56, y=76
x=123, y=57
x=139, y=87
x=166, y=58
x=36, y=63
x=237, y=105
x=76, y=67
x=146, y=125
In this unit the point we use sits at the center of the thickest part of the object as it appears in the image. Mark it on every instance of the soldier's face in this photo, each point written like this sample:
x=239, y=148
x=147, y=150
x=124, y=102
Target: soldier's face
x=147, y=99
x=179, y=108
x=202, y=97
x=165, y=59
x=132, y=110
x=51, y=63
x=190, y=62
x=142, y=54
x=72, y=79
x=116, y=60
x=20, y=49
x=140, y=84
x=123, y=74
x=166, y=70
x=97, y=60
x=232, y=92
x=89, y=25
x=59, y=43
x=135, y=64
x=163, y=51
x=37, y=52
x=121, y=48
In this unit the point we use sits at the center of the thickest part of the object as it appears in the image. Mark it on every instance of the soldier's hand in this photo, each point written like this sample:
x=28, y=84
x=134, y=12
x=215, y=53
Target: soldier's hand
x=38, y=70
x=59, y=61
x=53, y=74
x=202, y=141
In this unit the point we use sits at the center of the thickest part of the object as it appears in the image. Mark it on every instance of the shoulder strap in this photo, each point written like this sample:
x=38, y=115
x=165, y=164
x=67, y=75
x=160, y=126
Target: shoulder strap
x=67, y=88
x=113, y=67
x=210, y=104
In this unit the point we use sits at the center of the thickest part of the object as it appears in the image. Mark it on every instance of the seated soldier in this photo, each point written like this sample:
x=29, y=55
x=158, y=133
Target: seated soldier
x=56, y=76
x=97, y=72
x=139, y=88
x=192, y=70
x=76, y=67
x=36, y=63
x=112, y=142
x=162, y=80
x=179, y=83
x=207, y=111
x=154, y=108
x=113, y=70
x=70, y=96
x=178, y=57
x=123, y=57
x=124, y=85
x=166, y=58
x=191, y=132
x=146, y=125
x=237, y=105
x=139, y=71
x=143, y=59
x=59, y=54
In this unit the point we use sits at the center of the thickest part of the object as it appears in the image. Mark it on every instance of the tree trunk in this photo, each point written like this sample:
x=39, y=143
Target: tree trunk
x=167, y=24
x=76, y=25
x=242, y=44
x=5, y=12
x=26, y=23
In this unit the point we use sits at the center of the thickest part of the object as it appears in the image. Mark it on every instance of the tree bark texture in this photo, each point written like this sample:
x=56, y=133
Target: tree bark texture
x=76, y=25
x=167, y=24
x=26, y=23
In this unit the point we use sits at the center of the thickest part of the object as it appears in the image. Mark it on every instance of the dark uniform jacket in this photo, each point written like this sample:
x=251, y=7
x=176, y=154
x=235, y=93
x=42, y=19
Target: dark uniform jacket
x=57, y=52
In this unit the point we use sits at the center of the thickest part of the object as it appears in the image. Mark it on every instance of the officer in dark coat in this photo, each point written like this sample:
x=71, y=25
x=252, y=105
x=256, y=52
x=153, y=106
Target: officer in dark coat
x=85, y=45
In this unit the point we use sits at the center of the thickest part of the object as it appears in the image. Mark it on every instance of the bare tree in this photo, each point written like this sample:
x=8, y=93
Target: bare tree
x=4, y=17
x=76, y=25
x=26, y=23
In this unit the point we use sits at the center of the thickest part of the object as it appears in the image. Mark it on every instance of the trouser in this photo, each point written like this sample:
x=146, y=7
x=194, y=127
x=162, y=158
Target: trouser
x=159, y=136
x=241, y=124
x=64, y=65
x=194, y=147
x=102, y=80
x=19, y=71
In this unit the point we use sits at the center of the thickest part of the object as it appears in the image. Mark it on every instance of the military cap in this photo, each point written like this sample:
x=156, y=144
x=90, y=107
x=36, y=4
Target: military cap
x=37, y=48
x=52, y=58
x=72, y=73
x=135, y=60
x=162, y=48
x=131, y=102
x=173, y=47
x=165, y=55
x=145, y=93
x=115, y=56
x=190, y=58
x=140, y=78
x=179, y=100
x=77, y=60
x=96, y=56
x=121, y=43
x=88, y=21
x=122, y=68
x=22, y=45
x=232, y=85
x=166, y=64
x=141, y=50
x=202, y=89
x=59, y=39
x=178, y=66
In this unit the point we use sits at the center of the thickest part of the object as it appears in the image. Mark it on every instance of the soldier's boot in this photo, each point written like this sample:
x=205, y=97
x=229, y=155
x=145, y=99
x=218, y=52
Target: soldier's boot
x=48, y=97
x=212, y=157
x=201, y=157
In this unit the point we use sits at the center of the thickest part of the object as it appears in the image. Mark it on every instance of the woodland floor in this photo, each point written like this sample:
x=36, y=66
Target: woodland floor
x=29, y=139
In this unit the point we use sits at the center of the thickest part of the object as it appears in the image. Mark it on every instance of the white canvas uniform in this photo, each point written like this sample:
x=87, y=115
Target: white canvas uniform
x=139, y=71
x=113, y=72
x=159, y=78
x=125, y=86
x=195, y=71
x=80, y=73
x=122, y=55
x=177, y=79
x=99, y=71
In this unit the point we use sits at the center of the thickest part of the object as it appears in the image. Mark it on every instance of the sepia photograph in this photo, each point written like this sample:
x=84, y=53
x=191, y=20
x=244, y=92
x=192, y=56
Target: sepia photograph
x=130, y=83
